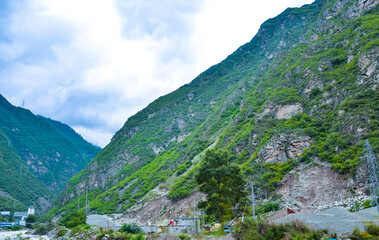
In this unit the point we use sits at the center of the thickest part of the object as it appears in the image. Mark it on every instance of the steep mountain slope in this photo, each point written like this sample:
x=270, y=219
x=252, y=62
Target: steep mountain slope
x=19, y=188
x=84, y=148
x=302, y=91
x=52, y=150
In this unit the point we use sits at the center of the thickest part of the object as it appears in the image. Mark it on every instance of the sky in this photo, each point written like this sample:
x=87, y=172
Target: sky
x=93, y=63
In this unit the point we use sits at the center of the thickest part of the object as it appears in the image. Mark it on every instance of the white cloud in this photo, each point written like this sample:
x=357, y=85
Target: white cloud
x=94, y=63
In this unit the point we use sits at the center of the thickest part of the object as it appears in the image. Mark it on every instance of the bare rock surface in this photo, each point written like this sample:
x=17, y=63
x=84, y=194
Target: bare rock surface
x=283, y=147
x=287, y=111
x=144, y=213
x=310, y=187
x=274, y=110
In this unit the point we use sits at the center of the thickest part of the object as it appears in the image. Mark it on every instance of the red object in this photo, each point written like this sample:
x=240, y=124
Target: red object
x=171, y=223
x=290, y=211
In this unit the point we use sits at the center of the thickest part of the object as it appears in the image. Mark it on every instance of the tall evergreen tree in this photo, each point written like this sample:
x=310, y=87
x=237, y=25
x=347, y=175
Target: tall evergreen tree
x=221, y=181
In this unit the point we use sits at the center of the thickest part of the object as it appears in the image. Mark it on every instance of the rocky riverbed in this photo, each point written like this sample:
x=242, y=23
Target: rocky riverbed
x=22, y=234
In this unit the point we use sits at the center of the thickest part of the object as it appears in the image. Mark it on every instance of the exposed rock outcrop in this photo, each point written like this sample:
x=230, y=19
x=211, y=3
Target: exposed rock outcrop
x=287, y=111
x=283, y=147
x=280, y=112
x=311, y=188
x=143, y=213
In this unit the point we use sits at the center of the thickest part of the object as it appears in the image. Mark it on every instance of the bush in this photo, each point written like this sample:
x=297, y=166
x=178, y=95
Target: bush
x=268, y=207
x=61, y=232
x=14, y=228
x=31, y=219
x=372, y=232
x=130, y=228
x=184, y=237
x=42, y=229
x=372, y=229
x=74, y=219
x=366, y=203
x=257, y=229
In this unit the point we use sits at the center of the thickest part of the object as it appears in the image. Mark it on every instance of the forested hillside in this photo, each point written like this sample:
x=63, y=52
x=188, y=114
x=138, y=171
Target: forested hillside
x=19, y=188
x=38, y=156
x=304, y=90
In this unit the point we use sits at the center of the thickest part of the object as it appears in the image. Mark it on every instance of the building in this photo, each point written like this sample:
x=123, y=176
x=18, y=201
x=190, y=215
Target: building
x=5, y=213
x=31, y=211
x=184, y=225
x=21, y=217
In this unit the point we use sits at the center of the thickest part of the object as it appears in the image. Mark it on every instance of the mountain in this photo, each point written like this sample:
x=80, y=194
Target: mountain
x=302, y=94
x=85, y=149
x=39, y=155
x=19, y=187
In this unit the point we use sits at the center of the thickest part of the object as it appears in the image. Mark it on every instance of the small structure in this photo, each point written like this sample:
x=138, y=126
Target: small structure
x=149, y=229
x=22, y=223
x=5, y=213
x=21, y=215
x=290, y=211
x=21, y=218
x=31, y=211
x=184, y=225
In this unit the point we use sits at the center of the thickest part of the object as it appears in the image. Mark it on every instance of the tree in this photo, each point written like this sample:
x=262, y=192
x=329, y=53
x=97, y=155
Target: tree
x=11, y=217
x=130, y=228
x=31, y=219
x=221, y=181
x=74, y=219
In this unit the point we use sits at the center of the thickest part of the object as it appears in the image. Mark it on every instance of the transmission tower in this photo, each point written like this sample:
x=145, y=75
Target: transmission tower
x=373, y=171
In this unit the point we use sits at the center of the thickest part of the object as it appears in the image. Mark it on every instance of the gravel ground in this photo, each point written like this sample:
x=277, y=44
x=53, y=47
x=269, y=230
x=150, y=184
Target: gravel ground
x=336, y=220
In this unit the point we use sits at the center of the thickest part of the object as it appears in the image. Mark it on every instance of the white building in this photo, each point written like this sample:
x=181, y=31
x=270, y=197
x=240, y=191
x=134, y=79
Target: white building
x=31, y=211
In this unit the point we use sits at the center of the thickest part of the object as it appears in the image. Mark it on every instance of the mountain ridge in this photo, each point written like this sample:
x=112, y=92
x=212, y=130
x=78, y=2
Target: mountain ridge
x=42, y=150
x=294, y=94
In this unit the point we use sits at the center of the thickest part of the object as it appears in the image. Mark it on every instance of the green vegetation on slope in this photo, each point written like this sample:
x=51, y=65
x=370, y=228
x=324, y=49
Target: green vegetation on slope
x=300, y=59
x=22, y=187
x=53, y=151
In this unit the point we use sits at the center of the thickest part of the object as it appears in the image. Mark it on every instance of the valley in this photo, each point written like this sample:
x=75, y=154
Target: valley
x=293, y=111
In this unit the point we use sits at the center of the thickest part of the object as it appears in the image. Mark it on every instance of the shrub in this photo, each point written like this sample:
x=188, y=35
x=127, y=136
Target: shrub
x=61, y=232
x=366, y=203
x=42, y=229
x=268, y=207
x=14, y=228
x=372, y=232
x=257, y=229
x=372, y=229
x=130, y=228
x=31, y=219
x=74, y=219
x=184, y=237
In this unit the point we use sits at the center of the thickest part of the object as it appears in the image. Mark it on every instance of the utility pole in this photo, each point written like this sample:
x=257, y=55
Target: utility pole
x=78, y=200
x=86, y=207
x=203, y=221
x=252, y=198
x=156, y=217
x=373, y=173
x=194, y=221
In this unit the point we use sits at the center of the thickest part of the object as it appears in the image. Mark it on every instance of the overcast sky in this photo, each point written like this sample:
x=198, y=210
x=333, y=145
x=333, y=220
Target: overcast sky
x=94, y=63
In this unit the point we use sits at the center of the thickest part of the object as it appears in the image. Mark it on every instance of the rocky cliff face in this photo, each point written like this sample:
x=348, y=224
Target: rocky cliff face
x=302, y=91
